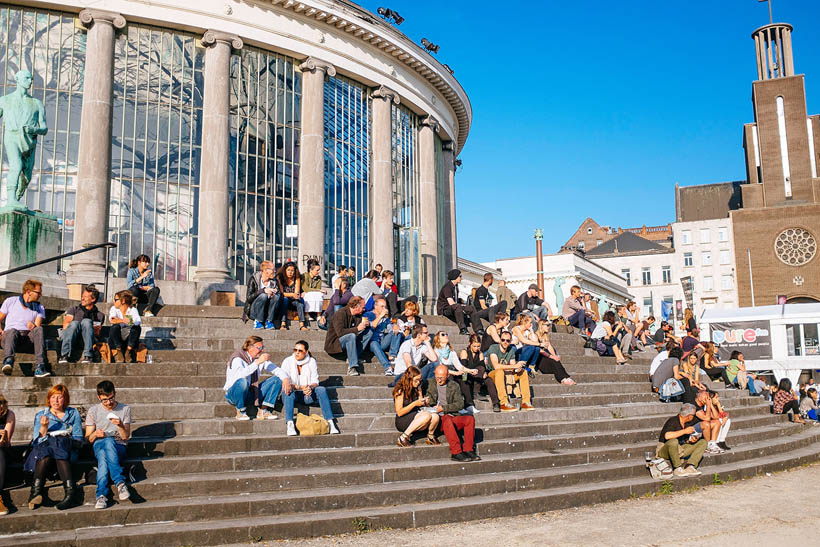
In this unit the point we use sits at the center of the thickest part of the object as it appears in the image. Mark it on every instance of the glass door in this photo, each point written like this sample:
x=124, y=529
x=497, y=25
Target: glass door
x=408, y=260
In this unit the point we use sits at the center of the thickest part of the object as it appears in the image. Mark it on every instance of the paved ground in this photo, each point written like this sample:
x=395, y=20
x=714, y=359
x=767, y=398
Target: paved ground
x=646, y=521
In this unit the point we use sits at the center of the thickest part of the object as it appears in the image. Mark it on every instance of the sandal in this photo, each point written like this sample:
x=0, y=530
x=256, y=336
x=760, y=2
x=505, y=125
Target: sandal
x=304, y=328
x=404, y=442
x=431, y=440
x=283, y=327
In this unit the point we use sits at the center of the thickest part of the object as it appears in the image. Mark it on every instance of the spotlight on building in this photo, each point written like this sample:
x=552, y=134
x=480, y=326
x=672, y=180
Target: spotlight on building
x=458, y=163
x=390, y=16
x=450, y=70
x=429, y=46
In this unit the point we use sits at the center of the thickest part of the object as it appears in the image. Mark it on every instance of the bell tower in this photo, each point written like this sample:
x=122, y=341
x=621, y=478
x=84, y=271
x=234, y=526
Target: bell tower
x=782, y=144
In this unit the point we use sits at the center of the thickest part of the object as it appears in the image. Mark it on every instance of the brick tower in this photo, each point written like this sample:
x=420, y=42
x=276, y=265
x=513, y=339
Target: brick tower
x=778, y=227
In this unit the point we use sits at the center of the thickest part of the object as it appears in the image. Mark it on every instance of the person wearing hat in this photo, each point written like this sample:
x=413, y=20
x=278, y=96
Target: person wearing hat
x=530, y=303
x=449, y=305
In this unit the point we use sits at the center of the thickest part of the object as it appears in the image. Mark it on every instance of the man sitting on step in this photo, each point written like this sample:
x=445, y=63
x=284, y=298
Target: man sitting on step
x=577, y=313
x=445, y=396
x=348, y=335
x=413, y=352
x=680, y=444
x=22, y=318
x=500, y=362
x=108, y=428
x=83, y=321
x=242, y=387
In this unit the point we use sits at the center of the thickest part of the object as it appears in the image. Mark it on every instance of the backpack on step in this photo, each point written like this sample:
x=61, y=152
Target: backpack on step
x=670, y=389
x=311, y=424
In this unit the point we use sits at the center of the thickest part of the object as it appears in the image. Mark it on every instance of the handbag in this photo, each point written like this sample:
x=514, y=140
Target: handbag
x=311, y=424
x=561, y=325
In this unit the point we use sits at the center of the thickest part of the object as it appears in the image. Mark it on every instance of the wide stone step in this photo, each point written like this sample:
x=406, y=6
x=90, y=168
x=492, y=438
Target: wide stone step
x=392, y=492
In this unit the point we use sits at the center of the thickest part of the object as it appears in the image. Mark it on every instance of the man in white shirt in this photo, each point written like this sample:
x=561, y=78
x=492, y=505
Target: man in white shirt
x=22, y=317
x=242, y=377
x=413, y=351
x=303, y=374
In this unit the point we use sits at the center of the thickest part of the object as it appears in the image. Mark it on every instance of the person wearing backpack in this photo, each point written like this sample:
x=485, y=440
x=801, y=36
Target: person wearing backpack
x=666, y=369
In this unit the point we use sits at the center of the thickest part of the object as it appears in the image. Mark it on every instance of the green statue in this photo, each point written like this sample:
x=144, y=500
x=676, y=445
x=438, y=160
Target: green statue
x=24, y=118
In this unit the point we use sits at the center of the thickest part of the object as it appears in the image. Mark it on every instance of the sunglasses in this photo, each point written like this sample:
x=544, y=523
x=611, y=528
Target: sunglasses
x=298, y=350
x=259, y=347
x=443, y=335
x=506, y=339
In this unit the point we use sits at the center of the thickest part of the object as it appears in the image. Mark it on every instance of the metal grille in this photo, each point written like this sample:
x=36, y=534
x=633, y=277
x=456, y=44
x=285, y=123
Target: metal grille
x=157, y=129
x=46, y=44
x=347, y=175
x=264, y=161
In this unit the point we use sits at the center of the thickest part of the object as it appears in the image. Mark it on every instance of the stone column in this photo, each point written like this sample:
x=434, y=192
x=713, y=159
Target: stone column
x=429, y=213
x=449, y=172
x=312, y=162
x=381, y=226
x=94, y=155
x=212, y=256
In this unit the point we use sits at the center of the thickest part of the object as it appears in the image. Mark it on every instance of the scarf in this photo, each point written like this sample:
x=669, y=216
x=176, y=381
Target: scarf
x=33, y=306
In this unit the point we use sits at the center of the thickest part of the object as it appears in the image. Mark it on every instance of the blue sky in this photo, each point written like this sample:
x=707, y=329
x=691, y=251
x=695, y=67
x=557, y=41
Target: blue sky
x=596, y=108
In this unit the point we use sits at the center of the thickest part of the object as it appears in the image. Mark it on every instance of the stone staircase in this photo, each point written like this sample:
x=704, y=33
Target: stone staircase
x=203, y=478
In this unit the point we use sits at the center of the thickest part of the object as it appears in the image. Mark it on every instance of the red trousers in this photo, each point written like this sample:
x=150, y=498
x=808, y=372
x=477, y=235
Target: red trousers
x=451, y=425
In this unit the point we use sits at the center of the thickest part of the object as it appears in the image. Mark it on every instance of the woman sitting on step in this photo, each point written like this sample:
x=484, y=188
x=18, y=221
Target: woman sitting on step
x=784, y=401
x=713, y=368
x=549, y=362
x=493, y=333
x=304, y=386
x=58, y=435
x=290, y=283
x=7, y=424
x=527, y=346
x=242, y=386
x=473, y=358
x=409, y=402
x=458, y=372
x=605, y=337
x=125, y=329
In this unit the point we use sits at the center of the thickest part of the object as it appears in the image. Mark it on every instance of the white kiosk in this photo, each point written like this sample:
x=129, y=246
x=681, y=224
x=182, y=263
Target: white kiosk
x=783, y=338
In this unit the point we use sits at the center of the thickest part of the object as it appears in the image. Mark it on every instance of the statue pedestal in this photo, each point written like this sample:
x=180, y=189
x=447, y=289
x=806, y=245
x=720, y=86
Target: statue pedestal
x=26, y=237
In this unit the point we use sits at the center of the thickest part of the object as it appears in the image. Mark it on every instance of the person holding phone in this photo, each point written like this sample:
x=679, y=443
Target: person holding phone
x=140, y=283
x=108, y=428
x=411, y=412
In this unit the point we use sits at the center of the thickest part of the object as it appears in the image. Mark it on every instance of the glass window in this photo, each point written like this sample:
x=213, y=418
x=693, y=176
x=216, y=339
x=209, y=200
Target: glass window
x=727, y=282
x=47, y=44
x=647, y=307
x=706, y=259
x=581, y=245
x=155, y=149
x=794, y=340
x=708, y=283
x=406, y=196
x=264, y=161
x=666, y=271
x=704, y=235
x=725, y=257
x=589, y=231
x=627, y=274
x=646, y=276
x=687, y=259
x=598, y=242
x=347, y=174
x=686, y=237
x=810, y=338
x=723, y=234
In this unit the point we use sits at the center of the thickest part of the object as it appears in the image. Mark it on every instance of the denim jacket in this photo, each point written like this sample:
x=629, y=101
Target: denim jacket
x=133, y=274
x=71, y=420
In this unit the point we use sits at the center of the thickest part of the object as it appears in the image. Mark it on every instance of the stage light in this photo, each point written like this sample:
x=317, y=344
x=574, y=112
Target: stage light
x=390, y=16
x=429, y=46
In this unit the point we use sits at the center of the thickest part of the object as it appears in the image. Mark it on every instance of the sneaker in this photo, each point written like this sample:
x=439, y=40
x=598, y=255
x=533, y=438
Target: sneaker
x=680, y=472
x=242, y=416
x=692, y=471
x=496, y=407
x=389, y=371
x=527, y=406
x=148, y=314
x=473, y=456
x=258, y=325
x=102, y=503
x=508, y=408
x=122, y=492
x=291, y=429
x=724, y=446
x=269, y=325
x=7, y=365
x=333, y=429
x=41, y=372
x=86, y=359
x=472, y=409
x=3, y=509
x=352, y=372
x=63, y=360
x=461, y=457
x=266, y=415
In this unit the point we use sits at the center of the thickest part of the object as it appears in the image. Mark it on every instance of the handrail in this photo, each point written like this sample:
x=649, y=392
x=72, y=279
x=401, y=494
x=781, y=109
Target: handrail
x=85, y=249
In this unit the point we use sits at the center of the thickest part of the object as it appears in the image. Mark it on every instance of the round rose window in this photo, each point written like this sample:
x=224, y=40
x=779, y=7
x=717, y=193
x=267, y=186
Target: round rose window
x=795, y=246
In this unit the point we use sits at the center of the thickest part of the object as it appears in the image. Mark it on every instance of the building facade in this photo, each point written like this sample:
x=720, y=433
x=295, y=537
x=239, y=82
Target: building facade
x=211, y=136
x=776, y=231
x=590, y=235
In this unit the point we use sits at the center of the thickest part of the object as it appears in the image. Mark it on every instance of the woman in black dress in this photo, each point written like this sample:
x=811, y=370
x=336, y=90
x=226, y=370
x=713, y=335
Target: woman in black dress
x=409, y=416
x=549, y=362
x=473, y=358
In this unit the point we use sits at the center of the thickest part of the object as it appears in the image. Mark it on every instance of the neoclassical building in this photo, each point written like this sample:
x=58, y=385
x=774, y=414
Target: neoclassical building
x=215, y=134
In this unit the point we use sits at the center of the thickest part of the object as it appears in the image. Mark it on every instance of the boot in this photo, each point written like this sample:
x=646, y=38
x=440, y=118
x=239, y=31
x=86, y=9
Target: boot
x=35, y=498
x=70, y=490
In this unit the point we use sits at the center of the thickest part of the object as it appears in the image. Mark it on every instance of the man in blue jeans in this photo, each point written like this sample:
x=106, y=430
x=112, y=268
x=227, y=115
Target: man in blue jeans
x=382, y=332
x=108, y=428
x=84, y=320
x=348, y=334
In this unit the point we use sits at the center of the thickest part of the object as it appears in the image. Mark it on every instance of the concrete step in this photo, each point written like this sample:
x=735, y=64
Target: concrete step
x=444, y=482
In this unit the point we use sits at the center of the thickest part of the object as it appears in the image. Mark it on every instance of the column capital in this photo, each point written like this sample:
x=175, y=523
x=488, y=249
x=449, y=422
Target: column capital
x=89, y=17
x=430, y=122
x=385, y=93
x=448, y=146
x=213, y=37
x=312, y=64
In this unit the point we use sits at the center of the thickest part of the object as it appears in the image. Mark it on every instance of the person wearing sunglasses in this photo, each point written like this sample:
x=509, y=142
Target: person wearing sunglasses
x=242, y=387
x=458, y=372
x=22, y=318
x=501, y=361
x=303, y=386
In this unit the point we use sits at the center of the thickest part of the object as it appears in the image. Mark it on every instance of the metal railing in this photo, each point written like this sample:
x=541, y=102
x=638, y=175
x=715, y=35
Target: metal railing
x=85, y=249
